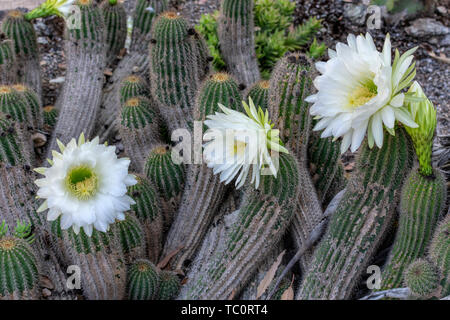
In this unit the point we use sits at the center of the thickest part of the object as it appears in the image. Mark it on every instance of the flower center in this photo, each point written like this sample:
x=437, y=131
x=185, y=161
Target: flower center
x=239, y=148
x=7, y=244
x=82, y=182
x=362, y=94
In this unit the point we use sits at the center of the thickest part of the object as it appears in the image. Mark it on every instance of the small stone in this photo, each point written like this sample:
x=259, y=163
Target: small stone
x=43, y=63
x=442, y=10
x=58, y=80
x=427, y=27
x=39, y=139
x=42, y=40
x=355, y=13
x=108, y=72
x=446, y=41
x=46, y=283
x=46, y=293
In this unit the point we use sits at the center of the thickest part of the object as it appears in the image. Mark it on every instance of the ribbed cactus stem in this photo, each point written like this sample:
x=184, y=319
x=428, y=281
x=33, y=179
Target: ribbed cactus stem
x=168, y=178
x=203, y=57
x=22, y=33
x=19, y=270
x=50, y=116
x=421, y=205
x=422, y=279
x=169, y=285
x=34, y=108
x=260, y=94
x=143, y=281
x=360, y=221
x=133, y=86
x=290, y=84
x=130, y=235
x=116, y=28
x=139, y=128
x=237, y=40
x=204, y=191
x=439, y=253
x=174, y=69
x=80, y=97
x=136, y=61
x=8, y=64
x=150, y=214
x=262, y=220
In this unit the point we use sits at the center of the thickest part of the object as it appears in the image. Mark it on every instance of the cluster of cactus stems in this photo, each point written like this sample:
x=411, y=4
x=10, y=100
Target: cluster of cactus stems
x=224, y=241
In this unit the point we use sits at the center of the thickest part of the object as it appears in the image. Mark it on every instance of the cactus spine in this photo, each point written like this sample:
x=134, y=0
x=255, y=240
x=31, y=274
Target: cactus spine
x=79, y=100
x=237, y=40
x=34, y=108
x=169, y=285
x=204, y=191
x=131, y=87
x=137, y=59
x=174, y=69
x=130, y=236
x=261, y=222
x=8, y=65
x=19, y=270
x=143, y=280
x=50, y=116
x=421, y=204
x=421, y=278
x=260, y=94
x=290, y=84
x=439, y=253
x=361, y=220
x=139, y=128
x=168, y=178
x=116, y=28
x=21, y=32
x=149, y=214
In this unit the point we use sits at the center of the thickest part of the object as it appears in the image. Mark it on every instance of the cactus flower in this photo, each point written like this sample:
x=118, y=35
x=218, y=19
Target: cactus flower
x=424, y=114
x=59, y=8
x=359, y=90
x=239, y=142
x=86, y=185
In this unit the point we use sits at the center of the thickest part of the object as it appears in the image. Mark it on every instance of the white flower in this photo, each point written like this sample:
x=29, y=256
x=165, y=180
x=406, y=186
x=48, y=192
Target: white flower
x=86, y=185
x=60, y=8
x=359, y=90
x=239, y=142
x=64, y=6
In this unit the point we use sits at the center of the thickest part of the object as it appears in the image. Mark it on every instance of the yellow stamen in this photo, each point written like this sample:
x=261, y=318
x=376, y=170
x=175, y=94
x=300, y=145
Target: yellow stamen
x=239, y=148
x=360, y=96
x=82, y=182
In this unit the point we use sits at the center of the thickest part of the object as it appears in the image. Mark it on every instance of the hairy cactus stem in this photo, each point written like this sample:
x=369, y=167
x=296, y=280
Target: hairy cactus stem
x=116, y=28
x=8, y=64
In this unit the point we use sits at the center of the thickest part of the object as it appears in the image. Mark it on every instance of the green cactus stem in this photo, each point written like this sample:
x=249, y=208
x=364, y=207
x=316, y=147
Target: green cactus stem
x=439, y=253
x=34, y=108
x=260, y=94
x=8, y=64
x=139, y=128
x=131, y=87
x=422, y=279
x=50, y=115
x=261, y=221
x=361, y=220
x=169, y=285
x=174, y=69
x=168, y=178
x=116, y=28
x=204, y=190
x=136, y=60
x=421, y=205
x=237, y=40
x=80, y=96
x=23, y=36
x=148, y=211
x=143, y=281
x=130, y=234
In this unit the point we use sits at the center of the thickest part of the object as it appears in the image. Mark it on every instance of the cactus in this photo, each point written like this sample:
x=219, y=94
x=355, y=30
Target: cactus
x=261, y=222
x=149, y=214
x=19, y=269
x=327, y=172
x=237, y=40
x=361, y=220
x=21, y=32
x=116, y=28
x=203, y=58
x=50, y=116
x=168, y=178
x=130, y=235
x=290, y=84
x=174, y=70
x=439, y=253
x=169, y=285
x=204, y=191
x=143, y=280
x=34, y=107
x=79, y=99
x=139, y=128
x=8, y=65
x=421, y=204
x=131, y=87
x=137, y=59
x=422, y=279
x=260, y=94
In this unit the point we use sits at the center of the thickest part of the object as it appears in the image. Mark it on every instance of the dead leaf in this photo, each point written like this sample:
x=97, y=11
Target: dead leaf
x=233, y=293
x=108, y=72
x=269, y=276
x=184, y=281
x=288, y=294
x=441, y=57
x=163, y=263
